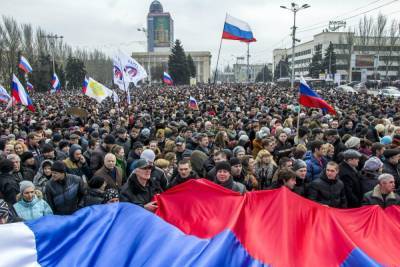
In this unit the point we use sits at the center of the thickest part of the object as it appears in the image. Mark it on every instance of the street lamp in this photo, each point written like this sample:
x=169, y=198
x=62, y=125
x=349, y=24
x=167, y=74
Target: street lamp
x=294, y=8
x=144, y=30
x=52, y=39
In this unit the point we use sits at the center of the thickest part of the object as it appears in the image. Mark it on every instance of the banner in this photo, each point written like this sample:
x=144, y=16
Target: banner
x=97, y=91
x=127, y=70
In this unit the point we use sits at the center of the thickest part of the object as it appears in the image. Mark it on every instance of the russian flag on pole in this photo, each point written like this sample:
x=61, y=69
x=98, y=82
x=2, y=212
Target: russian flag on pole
x=311, y=99
x=200, y=223
x=24, y=65
x=193, y=103
x=19, y=94
x=84, y=85
x=4, y=95
x=55, y=83
x=167, y=79
x=29, y=86
x=236, y=29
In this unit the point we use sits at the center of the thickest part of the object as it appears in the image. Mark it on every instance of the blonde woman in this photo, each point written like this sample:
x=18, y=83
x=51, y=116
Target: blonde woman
x=20, y=148
x=265, y=168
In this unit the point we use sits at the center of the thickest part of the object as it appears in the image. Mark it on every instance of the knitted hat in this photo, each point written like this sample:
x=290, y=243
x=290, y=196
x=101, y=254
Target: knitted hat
x=386, y=140
x=3, y=208
x=24, y=185
x=148, y=155
x=223, y=165
x=137, y=145
x=238, y=149
x=26, y=155
x=373, y=164
x=58, y=166
x=110, y=194
x=298, y=164
x=352, y=142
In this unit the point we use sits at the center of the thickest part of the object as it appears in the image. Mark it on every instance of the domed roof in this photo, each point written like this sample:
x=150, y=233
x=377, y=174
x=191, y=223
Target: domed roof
x=156, y=7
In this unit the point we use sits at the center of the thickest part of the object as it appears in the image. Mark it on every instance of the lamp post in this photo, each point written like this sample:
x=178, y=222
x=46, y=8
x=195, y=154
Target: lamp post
x=144, y=30
x=52, y=39
x=294, y=8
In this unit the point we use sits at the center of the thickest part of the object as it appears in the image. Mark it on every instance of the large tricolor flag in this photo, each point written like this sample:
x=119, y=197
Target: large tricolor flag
x=4, y=95
x=167, y=79
x=199, y=223
x=193, y=103
x=236, y=29
x=24, y=65
x=311, y=99
x=20, y=95
x=97, y=91
x=55, y=84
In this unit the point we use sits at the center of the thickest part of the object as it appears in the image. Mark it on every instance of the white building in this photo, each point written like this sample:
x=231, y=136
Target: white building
x=376, y=58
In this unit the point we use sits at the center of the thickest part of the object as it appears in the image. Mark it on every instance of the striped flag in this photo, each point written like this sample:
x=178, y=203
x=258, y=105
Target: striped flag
x=24, y=65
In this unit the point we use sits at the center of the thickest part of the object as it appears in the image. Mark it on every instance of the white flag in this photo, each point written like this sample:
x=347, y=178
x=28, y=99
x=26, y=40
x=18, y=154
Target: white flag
x=115, y=97
x=131, y=70
x=118, y=74
x=97, y=91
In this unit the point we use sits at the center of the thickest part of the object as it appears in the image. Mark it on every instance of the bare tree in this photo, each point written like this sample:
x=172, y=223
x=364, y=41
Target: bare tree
x=27, y=41
x=394, y=34
x=365, y=31
x=11, y=35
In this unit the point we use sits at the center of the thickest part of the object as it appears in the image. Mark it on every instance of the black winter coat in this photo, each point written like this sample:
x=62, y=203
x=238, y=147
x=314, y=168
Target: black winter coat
x=93, y=197
x=374, y=197
x=393, y=170
x=327, y=192
x=352, y=184
x=9, y=188
x=178, y=179
x=64, y=196
x=132, y=191
x=159, y=175
x=369, y=180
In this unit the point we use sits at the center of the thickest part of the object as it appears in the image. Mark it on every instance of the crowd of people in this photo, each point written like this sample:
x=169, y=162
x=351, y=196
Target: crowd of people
x=241, y=137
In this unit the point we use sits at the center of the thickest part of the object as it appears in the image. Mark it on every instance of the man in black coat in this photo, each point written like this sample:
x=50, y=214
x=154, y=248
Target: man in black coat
x=141, y=187
x=64, y=191
x=185, y=173
x=383, y=194
x=19, y=172
x=391, y=164
x=351, y=178
x=9, y=187
x=328, y=189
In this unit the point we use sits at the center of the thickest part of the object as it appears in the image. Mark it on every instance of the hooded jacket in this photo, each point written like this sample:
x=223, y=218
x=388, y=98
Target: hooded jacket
x=75, y=167
x=32, y=210
x=40, y=180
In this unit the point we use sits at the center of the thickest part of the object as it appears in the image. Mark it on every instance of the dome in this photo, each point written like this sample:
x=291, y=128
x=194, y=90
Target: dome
x=156, y=7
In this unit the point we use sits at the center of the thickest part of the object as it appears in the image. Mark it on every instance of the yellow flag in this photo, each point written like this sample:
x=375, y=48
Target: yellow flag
x=97, y=91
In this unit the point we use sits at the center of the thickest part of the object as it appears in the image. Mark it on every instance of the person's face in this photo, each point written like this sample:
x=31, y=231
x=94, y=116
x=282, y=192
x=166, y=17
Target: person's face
x=290, y=183
x=19, y=149
x=109, y=162
x=266, y=159
x=236, y=169
x=139, y=151
x=204, y=141
x=283, y=137
x=240, y=155
x=16, y=164
x=252, y=163
x=388, y=185
x=353, y=162
x=77, y=154
x=188, y=134
x=180, y=147
x=380, y=152
x=223, y=176
x=271, y=146
x=123, y=136
x=331, y=139
x=319, y=136
x=28, y=194
x=121, y=154
x=184, y=170
x=395, y=159
x=47, y=171
x=153, y=146
x=288, y=164
x=113, y=200
x=219, y=158
x=331, y=152
x=49, y=155
x=66, y=149
x=144, y=173
x=225, y=136
x=9, y=149
x=334, y=124
x=57, y=176
x=319, y=152
x=349, y=125
x=331, y=172
x=301, y=173
x=134, y=134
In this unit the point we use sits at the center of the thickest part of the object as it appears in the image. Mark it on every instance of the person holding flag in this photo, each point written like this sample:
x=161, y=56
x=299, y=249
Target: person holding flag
x=97, y=91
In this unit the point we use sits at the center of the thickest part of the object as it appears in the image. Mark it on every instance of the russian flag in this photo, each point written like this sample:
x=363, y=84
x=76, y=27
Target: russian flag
x=4, y=95
x=193, y=103
x=19, y=94
x=29, y=86
x=167, y=79
x=236, y=29
x=311, y=99
x=84, y=85
x=24, y=65
x=55, y=83
x=200, y=223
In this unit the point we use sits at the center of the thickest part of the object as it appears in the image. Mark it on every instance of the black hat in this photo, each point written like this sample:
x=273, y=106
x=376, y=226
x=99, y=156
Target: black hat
x=234, y=161
x=109, y=139
x=298, y=164
x=223, y=165
x=6, y=166
x=121, y=131
x=57, y=137
x=331, y=132
x=46, y=148
x=58, y=166
x=96, y=182
x=137, y=145
x=391, y=153
x=47, y=163
x=187, y=153
x=26, y=155
x=351, y=154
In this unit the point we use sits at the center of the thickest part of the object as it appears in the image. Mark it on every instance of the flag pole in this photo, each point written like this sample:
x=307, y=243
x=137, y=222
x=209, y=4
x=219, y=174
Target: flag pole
x=219, y=51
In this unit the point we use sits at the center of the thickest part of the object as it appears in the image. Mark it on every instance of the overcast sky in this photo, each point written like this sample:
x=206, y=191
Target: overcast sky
x=111, y=24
